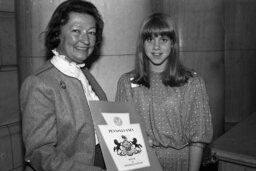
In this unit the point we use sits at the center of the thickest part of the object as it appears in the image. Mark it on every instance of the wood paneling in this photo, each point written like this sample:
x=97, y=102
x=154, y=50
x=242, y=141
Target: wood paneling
x=9, y=107
x=7, y=39
x=240, y=60
x=7, y=5
x=11, y=156
x=11, y=151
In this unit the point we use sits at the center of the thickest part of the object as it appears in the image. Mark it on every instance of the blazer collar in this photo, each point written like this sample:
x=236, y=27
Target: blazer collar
x=94, y=84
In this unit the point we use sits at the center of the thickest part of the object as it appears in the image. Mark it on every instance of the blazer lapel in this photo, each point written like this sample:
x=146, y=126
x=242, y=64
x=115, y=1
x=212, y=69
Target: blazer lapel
x=95, y=85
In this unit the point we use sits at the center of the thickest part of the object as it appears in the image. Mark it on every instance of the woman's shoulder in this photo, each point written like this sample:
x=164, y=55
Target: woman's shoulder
x=43, y=69
x=41, y=75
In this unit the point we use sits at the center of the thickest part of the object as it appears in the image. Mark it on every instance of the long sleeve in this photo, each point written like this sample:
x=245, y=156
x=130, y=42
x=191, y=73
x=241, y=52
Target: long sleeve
x=40, y=129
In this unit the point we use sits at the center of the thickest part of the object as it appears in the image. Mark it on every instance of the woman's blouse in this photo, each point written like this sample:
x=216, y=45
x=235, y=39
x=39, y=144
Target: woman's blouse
x=173, y=116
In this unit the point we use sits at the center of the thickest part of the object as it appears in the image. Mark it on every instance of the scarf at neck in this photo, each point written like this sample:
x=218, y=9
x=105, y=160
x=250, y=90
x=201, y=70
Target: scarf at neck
x=73, y=70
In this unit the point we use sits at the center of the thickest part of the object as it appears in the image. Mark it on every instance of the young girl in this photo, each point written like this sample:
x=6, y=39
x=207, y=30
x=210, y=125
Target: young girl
x=171, y=99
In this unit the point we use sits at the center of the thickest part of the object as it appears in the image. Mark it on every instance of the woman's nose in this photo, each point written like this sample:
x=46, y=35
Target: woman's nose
x=85, y=38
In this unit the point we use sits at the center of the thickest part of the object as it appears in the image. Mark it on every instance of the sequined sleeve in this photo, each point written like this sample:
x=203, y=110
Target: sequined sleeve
x=123, y=92
x=198, y=121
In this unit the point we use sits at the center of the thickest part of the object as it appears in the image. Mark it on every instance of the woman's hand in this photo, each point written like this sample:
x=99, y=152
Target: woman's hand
x=150, y=142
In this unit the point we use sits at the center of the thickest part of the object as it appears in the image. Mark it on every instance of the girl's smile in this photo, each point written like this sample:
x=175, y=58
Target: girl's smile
x=157, y=49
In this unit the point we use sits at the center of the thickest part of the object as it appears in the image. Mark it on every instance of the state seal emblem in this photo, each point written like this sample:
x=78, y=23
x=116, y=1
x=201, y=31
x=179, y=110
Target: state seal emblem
x=126, y=147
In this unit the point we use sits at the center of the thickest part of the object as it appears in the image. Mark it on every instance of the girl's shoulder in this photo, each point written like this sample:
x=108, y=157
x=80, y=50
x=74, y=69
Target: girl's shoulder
x=196, y=80
x=126, y=80
x=127, y=77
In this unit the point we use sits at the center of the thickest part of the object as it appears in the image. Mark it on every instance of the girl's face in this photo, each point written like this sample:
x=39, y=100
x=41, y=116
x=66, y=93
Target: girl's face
x=77, y=37
x=157, y=49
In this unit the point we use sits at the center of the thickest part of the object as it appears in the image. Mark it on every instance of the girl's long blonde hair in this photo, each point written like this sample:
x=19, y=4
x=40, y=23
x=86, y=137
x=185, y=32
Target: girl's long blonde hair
x=175, y=74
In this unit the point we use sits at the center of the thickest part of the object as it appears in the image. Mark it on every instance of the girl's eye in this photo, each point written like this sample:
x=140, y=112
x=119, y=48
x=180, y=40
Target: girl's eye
x=149, y=39
x=165, y=39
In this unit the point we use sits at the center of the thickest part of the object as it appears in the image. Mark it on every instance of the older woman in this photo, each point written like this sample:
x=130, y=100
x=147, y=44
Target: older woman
x=57, y=126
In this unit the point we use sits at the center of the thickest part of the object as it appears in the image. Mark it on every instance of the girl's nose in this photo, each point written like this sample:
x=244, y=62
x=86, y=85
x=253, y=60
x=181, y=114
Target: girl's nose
x=156, y=44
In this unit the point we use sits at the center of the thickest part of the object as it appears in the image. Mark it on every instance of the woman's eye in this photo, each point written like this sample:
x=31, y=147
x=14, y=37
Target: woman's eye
x=76, y=31
x=93, y=33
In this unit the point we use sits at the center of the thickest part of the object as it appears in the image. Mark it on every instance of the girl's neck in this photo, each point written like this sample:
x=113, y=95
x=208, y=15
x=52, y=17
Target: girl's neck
x=156, y=69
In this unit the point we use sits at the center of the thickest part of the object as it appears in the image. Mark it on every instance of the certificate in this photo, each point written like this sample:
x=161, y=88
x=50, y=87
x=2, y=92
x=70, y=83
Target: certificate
x=122, y=139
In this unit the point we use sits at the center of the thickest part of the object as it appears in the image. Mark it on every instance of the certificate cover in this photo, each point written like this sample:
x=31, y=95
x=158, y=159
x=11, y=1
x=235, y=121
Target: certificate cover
x=122, y=139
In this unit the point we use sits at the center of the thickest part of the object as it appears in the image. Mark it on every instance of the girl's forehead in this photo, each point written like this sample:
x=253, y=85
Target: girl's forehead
x=159, y=35
x=157, y=32
x=157, y=29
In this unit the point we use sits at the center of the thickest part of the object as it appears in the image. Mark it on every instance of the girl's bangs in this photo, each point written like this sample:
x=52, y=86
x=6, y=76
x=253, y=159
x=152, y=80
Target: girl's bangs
x=157, y=27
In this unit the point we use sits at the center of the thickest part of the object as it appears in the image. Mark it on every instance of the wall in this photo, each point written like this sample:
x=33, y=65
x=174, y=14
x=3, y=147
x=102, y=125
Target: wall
x=8, y=64
x=240, y=60
x=120, y=33
x=10, y=138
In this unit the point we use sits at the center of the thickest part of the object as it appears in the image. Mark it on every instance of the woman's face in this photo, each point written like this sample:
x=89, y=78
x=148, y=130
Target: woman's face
x=77, y=37
x=157, y=49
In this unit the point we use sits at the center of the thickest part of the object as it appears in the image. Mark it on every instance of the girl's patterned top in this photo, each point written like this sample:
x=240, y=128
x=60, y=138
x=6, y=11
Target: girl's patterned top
x=173, y=116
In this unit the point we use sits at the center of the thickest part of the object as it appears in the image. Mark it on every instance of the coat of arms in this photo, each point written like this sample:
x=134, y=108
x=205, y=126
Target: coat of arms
x=126, y=147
